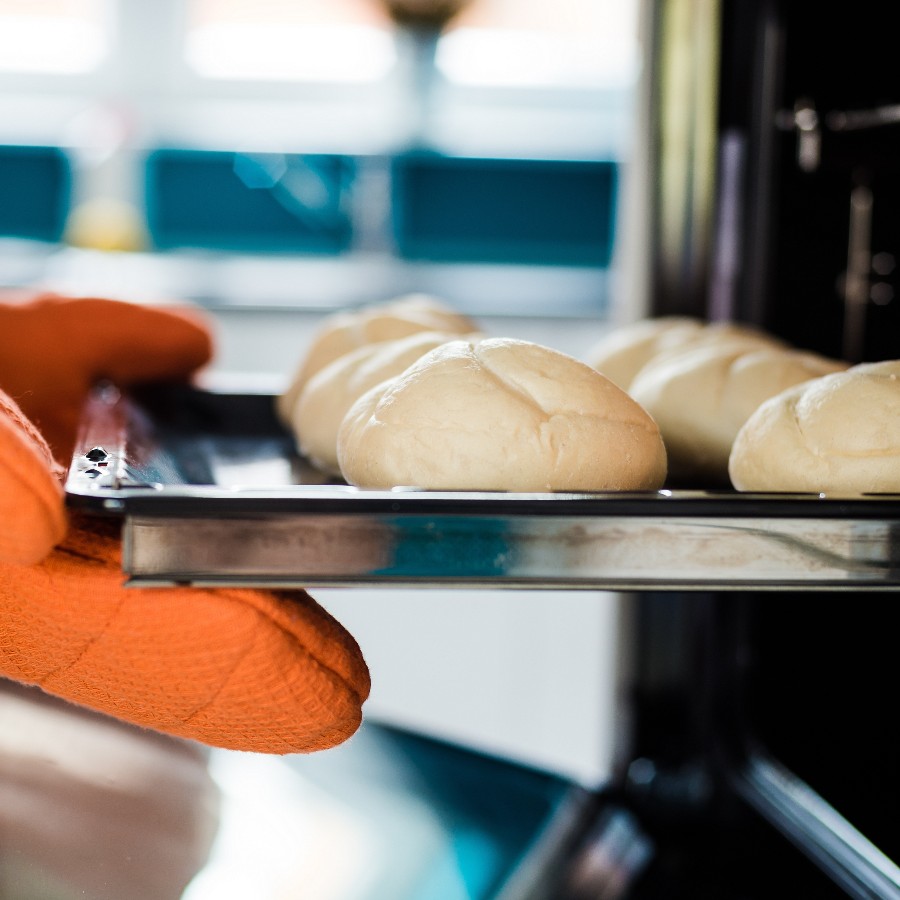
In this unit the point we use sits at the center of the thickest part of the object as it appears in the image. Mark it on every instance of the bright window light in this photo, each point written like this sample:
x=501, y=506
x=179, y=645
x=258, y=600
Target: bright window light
x=316, y=40
x=534, y=43
x=525, y=43
x=53, y=36
x=497, y=57
x=315, y=52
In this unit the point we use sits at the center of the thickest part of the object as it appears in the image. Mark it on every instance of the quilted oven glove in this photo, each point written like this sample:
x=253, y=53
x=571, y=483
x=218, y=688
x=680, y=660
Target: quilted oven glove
x=263, y=671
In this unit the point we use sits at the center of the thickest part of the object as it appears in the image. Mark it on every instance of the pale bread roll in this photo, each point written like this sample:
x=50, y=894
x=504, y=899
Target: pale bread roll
x=328, y=395
x=839, y=434
x=701, y=396
x=623, y=353
x=345, y=331
x=500, y=415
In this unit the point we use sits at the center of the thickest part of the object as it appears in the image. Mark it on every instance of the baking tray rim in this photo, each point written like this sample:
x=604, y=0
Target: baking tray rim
x=109, y=412
x=310, y=534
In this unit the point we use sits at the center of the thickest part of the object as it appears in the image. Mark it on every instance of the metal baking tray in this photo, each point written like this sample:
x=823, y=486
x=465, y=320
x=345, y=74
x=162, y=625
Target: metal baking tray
x=211, y=491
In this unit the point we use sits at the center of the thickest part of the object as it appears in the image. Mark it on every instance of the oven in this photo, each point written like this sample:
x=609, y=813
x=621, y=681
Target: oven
x=764, y=734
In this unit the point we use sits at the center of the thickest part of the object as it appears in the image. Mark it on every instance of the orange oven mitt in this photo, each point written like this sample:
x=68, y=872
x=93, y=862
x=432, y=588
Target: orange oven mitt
x=264, y=671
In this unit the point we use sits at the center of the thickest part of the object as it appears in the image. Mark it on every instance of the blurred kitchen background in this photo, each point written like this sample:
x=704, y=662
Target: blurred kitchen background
x=276, y=161
x=300, y=156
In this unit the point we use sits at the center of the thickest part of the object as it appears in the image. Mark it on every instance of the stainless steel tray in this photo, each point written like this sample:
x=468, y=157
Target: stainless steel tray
x=211, y=491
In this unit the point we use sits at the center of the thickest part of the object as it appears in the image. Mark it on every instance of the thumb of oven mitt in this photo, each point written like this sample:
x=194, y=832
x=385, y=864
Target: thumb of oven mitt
x=262, y=671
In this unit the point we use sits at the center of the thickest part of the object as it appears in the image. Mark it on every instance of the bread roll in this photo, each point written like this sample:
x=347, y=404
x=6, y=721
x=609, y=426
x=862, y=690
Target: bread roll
x=328, y=395
x=839, y=434
x=345, y=331
x=623, y=353
x=702, y=395
x=500, y=415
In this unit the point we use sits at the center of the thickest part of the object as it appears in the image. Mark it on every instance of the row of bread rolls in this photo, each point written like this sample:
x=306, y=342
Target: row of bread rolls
x=409, y=393
x=739, y=407
x=701, y=382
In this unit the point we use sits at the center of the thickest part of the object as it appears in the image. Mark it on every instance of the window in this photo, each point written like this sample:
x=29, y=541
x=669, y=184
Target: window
x=326, y=71
x=319, y=40
x=530, y=43
x=139, y=93
x=53, y=36
x=524, y=43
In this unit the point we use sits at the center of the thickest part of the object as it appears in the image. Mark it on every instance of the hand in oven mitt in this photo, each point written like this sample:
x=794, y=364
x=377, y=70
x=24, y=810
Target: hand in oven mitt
x=263, y=671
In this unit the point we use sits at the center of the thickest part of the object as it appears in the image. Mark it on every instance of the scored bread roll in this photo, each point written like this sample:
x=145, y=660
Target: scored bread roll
x=500, y=414
x=838, y=434
x=702, y=395
x=328, y=395
x=345, y=331
x=624, y=351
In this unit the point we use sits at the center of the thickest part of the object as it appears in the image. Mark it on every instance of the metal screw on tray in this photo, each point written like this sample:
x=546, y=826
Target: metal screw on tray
x=96, y=454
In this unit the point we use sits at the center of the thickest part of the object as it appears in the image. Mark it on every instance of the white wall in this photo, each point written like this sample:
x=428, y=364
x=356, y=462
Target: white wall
x=531, y=676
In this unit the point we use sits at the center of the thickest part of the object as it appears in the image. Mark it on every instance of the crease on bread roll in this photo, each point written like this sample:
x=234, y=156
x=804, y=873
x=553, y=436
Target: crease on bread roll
x=330, y=392
x=625, y=350
x=500, y=414
x=838, y=434
x=344, y=331
x=702, y=395
x=622, y=354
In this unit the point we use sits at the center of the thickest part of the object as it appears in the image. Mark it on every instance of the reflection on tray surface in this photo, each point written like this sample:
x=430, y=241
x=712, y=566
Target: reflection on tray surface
x=195, y=437
x=179, y=436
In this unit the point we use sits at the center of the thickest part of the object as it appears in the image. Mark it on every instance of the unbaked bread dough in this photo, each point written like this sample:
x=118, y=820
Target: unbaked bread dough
x=345, y=331
x=624, y=352
x=329, y=393
x=500, y=415
x=839, y=434
x=701, y=395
